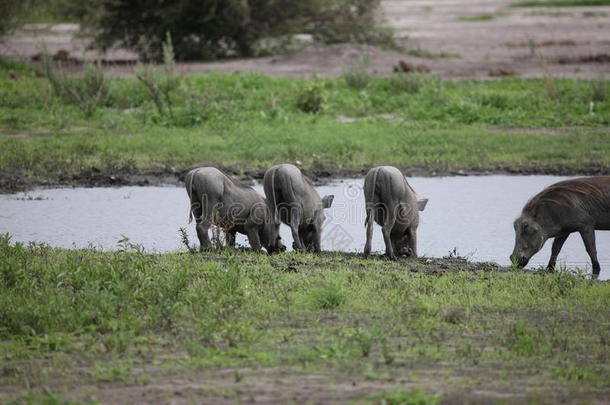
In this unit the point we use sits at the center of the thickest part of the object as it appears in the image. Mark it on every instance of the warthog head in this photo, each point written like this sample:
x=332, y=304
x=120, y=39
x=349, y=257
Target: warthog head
x=270, y=237
x=529, y=239
x=268, y=228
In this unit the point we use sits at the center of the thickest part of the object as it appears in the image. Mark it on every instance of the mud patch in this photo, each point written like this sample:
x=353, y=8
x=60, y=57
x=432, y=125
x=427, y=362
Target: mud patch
x=597, y=58
x=499, y=72
x=12, y=180
x=532, y=44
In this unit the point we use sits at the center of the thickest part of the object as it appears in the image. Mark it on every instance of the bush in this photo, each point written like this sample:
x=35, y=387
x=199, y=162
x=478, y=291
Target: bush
x=311, y=98
x=161, y=84
x=327, y=297
x=87, y=92
x=209, y=29
x=407, y=82
x=358, y=76
x=9, y=17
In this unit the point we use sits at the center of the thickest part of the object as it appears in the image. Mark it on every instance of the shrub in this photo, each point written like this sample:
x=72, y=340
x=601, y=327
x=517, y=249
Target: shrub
x=210, y=29
x=600, y=90
x=10, y=13
x=161, y=84
x=358, y=76
x=87, y=92
x=327, y=297
x=407, y=82
x=311, y=99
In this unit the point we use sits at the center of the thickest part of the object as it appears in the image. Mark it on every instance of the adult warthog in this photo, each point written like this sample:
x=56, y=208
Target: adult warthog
x=393, y=204
x=579, y=205
x=216, y=199
x=293, y=200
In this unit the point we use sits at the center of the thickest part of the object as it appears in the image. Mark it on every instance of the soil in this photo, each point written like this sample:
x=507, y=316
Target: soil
x=278, y=385
x=526, y=42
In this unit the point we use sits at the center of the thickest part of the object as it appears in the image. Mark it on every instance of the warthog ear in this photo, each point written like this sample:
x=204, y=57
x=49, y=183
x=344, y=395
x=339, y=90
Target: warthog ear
x=421, y=204
x=327, y=201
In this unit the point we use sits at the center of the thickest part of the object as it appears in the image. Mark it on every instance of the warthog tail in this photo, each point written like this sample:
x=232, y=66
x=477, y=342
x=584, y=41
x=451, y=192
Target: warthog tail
x=276, y=217
x=189, y=191
x=372, y=199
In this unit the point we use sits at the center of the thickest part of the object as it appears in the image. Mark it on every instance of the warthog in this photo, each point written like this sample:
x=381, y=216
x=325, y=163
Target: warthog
x=294, y=201
x=393, y=204
x=579, y=205
x=216, y=199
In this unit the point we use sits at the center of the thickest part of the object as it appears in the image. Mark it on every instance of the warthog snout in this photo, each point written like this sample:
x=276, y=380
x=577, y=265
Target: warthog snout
x=520, y=260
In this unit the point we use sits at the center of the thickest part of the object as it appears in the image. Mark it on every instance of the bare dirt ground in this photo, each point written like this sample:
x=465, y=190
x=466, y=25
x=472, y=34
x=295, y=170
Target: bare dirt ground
x=458, y=39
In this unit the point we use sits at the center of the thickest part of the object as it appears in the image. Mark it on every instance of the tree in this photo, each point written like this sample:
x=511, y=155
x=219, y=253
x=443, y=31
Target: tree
x=209, y=29
x=9, y=17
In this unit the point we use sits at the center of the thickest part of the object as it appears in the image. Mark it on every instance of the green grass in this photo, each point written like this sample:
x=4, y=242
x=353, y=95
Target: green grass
x=250, y=122
x=479, y=17
x=554, y=14
x=562, y=3
x=84, y=323
x=592, y=14
x=422, y=53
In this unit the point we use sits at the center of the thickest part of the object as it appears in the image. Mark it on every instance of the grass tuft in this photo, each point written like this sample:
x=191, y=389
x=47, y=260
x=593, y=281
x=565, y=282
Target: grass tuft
x=358, y=76
x=327, y=297
x=478, y=18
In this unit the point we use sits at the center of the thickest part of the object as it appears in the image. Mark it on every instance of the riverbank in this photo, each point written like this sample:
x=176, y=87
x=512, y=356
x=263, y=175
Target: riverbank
x=133, y=327
x=246, y=123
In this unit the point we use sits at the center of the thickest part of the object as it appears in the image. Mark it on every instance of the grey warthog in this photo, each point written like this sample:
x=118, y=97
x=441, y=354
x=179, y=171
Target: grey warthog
x=294, y=201
x=393, y=204
x=579, y=205
x=216, y=199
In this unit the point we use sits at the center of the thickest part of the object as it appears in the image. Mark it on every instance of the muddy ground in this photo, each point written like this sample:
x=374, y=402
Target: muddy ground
x=96, y=177
x=458, y=39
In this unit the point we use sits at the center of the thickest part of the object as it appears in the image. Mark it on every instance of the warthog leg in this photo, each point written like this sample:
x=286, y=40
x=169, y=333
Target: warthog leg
x=588, y=237
x=386, y=229
x=230, y=238
x=255, y=242
x=557, y=245
x=369, y=230
x=295, y=221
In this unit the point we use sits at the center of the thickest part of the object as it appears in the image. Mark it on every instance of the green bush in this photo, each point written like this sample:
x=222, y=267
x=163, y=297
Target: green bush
x=327, y=297
x=87, y=92
x=9, y=16
x=357, y=77
x=407, y=82
x=311, y=99
x=401, y=397
x=209, y=29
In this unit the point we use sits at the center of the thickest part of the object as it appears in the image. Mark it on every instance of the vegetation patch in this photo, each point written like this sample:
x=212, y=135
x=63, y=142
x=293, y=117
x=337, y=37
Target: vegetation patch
x=422, y=53
x=79, y=324
x=479, y=17
x=246, y=123
x=562, y=3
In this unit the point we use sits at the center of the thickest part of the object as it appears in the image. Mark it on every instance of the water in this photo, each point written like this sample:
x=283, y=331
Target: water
x=469, y=215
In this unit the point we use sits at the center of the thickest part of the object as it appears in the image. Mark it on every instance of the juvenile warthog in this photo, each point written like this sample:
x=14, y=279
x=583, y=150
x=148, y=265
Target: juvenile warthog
x=393, y=204
x=294, y=201
x=216, y=199
x=579, y=205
